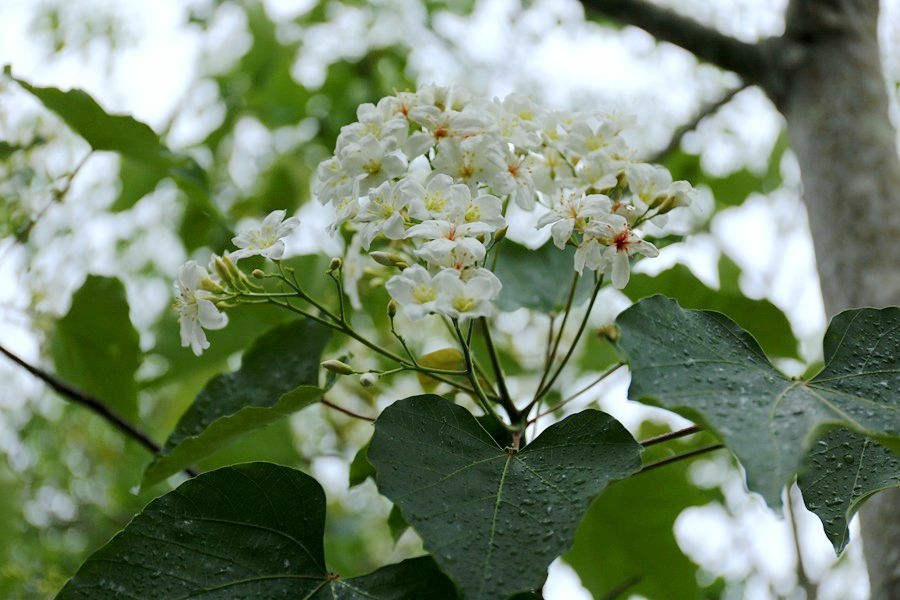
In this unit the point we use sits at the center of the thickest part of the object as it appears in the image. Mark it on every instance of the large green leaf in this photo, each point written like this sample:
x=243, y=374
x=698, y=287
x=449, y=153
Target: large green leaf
x=628, y=533
x=702, y=365
x=279, y=375
x=845, y=468
x=246, y=531
x=494, y=518
x=96, y=348
x=761, y=318
x=537, y=279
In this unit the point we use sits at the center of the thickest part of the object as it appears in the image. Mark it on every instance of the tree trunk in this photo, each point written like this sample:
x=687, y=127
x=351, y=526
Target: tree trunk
x=836, y=105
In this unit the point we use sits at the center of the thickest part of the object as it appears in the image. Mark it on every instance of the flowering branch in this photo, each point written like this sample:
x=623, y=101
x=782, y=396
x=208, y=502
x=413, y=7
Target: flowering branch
x=82, y=399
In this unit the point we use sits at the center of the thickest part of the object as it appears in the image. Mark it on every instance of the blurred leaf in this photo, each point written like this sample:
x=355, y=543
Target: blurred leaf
x=537, y=279
x=396, y=523
x=761, y=318
x=279, y=375
x=494, y=519
x=251, y=530
x=96, y=348
x=702, y=365
x=844, y=469
x=450, y=359
x=629, y=530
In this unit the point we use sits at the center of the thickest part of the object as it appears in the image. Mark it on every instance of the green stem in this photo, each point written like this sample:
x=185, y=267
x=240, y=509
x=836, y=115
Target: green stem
x=568, y=355
x=505, y=399
x=679, y=457
x=473, y=379
x=565, y=401
x=562, y=328
x=672, y=435
x=346, y=411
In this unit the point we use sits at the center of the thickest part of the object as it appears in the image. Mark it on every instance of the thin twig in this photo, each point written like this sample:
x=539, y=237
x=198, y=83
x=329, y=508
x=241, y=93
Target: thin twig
x=623, y=587
x=672, y=435
x=803, y=578
x=679, y=457
x=78, y=397
x=346, y=411
x=564, y=401
x=505, y=399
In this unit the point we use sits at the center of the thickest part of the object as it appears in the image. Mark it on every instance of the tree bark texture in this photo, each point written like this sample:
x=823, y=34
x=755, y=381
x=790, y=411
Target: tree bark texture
x=824, y=75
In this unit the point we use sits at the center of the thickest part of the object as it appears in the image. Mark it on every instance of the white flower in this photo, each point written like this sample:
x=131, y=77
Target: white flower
x=471, y=161
x=196, y=310
x=372, y=161
x=266, y=241
x=415, y=290
x=434, y=200
x=466, y=295
x=381, y=213
x=332, y=180
x=381, y=121
x=573, y=210
x=439, y=126
x=621, y=243
x=514, y=179
x=445, y=237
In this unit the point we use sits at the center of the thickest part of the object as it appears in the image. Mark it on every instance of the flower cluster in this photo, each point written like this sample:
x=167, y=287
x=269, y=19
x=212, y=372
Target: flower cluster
x=199, y=291
x=431, y=175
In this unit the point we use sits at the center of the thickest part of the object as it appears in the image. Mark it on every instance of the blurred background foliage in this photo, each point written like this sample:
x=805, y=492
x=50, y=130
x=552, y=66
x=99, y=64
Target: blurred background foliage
x=264, y=102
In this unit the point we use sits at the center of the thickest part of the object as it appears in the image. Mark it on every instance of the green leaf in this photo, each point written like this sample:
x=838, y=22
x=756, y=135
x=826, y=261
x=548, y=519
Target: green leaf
x=279, y=375
x=845, y=468
x=628, y=533
x=246, y=531
x=494, y=519
x=360, y=468
x=702, y=365
x=761, y=318
x=96, y=348
x=537, y=279
x=396, y=523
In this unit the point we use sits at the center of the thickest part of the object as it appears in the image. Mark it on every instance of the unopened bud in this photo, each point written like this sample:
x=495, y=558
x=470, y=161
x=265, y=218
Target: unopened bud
x=392, y=308
x=368, y=379
x=258, y=273
x=211, y=286
x=336, y=366
x=335, y=264
x=500, y=234
x=611, y=332
x=389, y=260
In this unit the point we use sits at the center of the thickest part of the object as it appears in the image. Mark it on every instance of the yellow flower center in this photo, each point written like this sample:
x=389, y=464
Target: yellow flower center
x=424, y=293
x=463, y=304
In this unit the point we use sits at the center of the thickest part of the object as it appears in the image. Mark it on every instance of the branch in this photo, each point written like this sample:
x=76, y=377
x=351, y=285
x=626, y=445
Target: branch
x=91, y=403
x=707, y=44
x=706, y=110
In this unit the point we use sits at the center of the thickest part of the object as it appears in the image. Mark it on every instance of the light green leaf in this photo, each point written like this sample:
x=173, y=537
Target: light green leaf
x=762, y=319
x=360, y=469
x=628, y=533
x=702, y=365
x=279, y=375
x=246, y=531
x=396, y=523
x=537, y=279
x=844, y=469
x=96, y=348
x=493, y=518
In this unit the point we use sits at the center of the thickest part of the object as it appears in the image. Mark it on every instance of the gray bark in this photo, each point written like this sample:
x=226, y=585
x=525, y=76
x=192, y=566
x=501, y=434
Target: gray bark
x=825, y=76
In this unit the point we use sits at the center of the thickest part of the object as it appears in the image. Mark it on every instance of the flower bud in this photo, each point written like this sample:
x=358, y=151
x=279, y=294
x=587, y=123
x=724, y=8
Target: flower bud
x=367, y=380
x=392, y=308
x=211, y=286
x=389, y=260
x=611, y=332
x=335, y=264
x=500, y=234
x=258, y=273
x=336, y=366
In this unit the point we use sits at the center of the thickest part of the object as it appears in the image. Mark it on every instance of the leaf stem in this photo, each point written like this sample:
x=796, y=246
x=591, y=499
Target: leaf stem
x=505, y=399
x=672, y=435
x=552, y=356
x=93, y=404
x=679, y=457
x=470, y=369
x=565, y=401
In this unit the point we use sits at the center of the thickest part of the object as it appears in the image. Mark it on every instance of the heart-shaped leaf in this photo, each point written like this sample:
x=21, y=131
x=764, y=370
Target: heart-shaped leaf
x=246, y=531
x=279, y=375
x=493, y=518
x=702, y=365
x=845, y=468
x=537, y=279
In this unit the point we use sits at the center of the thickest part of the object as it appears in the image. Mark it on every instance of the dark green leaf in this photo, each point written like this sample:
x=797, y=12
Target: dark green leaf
x=360, y=469
x=247, y=531
x=396, y=523
x=702, y=365
x=494, y=519
x=844, y=469
x=96, y=348
x=537, y=279
x=279, y=375
x=628, y=533
x=759, y=317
